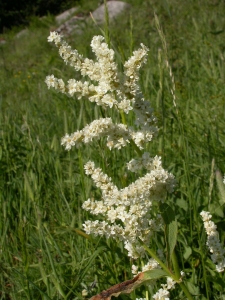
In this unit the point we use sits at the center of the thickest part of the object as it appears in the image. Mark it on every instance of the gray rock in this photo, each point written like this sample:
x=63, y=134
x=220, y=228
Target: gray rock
x=22, y=33
x=65, y=15
x=2, y=41
x=114, y=9
x=74, y=24
x=77, y=23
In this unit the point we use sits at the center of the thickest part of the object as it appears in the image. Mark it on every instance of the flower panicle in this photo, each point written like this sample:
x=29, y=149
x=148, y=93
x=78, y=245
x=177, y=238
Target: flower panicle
x=111, y=91
x=118, y=135
x=127, y=212
x=124, y=214
x=213, y=241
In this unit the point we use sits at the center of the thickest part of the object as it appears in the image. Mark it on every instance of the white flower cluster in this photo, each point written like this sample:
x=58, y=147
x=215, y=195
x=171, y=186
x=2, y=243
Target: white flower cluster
x=151, y=265
x=132, y=67
x=145, y=162
x=118, y=135
x=213, y=241
x=163, y=293
x=112, y=90
x=127, y=212
x=224, y=179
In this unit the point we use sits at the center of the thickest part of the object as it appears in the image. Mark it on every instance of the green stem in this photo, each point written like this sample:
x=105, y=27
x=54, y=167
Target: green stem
x=81, y=165
x=106, y=27
x=176, y=276
x=164, y=267
x=136, y=148
x=139, y=152
x=185, y=290
x=123, y=117
x=175, y=265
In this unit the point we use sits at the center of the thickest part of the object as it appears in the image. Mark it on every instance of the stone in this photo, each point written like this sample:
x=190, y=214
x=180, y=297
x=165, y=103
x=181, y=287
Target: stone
x=2, y=41
x=77, y=23
x=22, y=33
x=73, y=24
x=114, y=9
x=65, y=15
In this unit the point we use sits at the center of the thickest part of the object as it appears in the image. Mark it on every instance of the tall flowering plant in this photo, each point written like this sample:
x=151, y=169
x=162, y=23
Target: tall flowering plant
x=127, y=211
x=125, y=214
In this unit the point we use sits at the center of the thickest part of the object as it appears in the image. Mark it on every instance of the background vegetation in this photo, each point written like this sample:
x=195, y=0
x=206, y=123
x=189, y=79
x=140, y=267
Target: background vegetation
x=15, y=13
x=43, y=252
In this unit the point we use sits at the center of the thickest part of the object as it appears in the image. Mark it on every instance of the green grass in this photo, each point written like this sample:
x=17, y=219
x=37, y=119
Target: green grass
x=43, y=252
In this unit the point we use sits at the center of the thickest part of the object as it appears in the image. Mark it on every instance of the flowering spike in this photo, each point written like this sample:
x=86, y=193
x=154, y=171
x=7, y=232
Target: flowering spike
x=213, y=241
x=126, y=214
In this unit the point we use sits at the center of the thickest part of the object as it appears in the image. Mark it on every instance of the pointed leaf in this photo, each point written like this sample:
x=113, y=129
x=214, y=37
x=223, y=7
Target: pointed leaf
x=221, y=187
x=194, y=290
x=154, y=274
x=169, y=218
x=187, y=252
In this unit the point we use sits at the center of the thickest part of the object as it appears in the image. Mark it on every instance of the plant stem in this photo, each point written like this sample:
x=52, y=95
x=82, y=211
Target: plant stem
x=175, y=277
x=131, y=141
x=123, y=117
x=175, y=265
x=152, y=253
x=185, y=290
x=139, y=152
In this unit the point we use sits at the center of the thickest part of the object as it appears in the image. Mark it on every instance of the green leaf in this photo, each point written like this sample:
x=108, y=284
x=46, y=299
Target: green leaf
x=194, y=290
x=218, y=284
x=91, y=260
x=182, y=204
x=216, y=209
x=165, y=5
x=169, y=218
x=154, y=274
x=221, y=187
x=187, y=252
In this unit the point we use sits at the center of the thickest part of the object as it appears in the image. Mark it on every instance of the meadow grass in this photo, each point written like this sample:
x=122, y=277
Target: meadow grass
x=44, y=254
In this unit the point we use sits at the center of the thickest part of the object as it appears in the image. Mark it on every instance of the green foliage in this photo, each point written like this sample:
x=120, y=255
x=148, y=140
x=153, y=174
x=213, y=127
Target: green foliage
x=170, y=221
x=15, y=13
x=43, y=252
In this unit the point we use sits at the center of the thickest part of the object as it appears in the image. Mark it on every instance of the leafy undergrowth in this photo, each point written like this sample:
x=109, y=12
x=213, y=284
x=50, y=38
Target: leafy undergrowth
x=44, y=253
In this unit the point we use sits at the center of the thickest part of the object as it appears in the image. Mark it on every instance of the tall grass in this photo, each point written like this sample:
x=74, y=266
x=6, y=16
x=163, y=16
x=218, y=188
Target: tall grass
x=44, y=254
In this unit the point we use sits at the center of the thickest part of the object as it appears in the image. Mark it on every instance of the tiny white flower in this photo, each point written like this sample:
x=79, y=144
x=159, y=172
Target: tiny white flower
x=134, y=269
x=54, y=37
x=162, y=294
